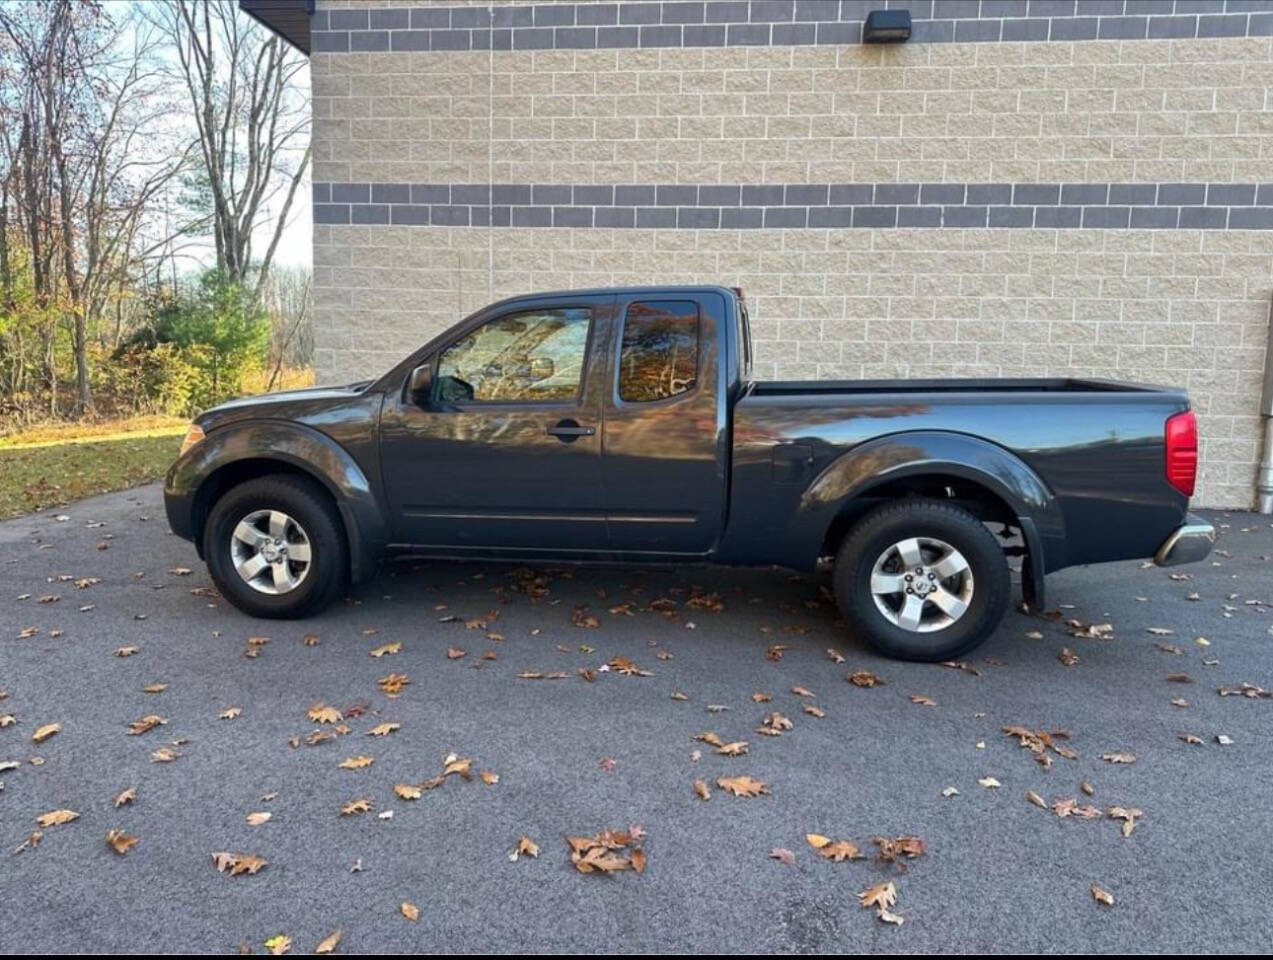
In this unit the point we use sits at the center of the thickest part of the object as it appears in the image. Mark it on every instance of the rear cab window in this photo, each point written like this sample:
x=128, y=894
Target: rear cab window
x=659, y=354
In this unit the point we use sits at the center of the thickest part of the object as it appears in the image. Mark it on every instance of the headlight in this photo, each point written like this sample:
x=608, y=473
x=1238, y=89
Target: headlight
x=194, y=435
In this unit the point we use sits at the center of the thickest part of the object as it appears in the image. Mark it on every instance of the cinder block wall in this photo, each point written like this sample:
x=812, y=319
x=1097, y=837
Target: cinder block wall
x=1027, y=187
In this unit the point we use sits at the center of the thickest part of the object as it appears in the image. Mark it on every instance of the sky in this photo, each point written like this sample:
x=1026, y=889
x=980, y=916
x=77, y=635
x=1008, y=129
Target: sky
x=296, y=245
x=296, y=248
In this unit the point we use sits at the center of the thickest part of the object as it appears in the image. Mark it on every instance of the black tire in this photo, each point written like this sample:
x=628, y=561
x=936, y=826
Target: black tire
x=867, y=542
x=313, y=511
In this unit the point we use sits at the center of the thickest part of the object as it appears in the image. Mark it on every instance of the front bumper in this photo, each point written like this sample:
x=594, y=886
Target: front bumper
x=1188, y=543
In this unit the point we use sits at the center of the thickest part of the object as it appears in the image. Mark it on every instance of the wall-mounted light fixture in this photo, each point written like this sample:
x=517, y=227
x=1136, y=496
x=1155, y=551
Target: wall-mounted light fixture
x=887, y=26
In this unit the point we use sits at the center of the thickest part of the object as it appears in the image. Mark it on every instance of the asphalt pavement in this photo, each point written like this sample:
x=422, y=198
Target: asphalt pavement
x=577, y=755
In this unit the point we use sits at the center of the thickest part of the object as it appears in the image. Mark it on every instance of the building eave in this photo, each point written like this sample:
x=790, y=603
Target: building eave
x=289, y=19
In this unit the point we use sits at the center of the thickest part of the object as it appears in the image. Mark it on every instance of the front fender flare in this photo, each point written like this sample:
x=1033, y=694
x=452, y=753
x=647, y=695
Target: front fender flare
x=302, y=449
x=896, y=456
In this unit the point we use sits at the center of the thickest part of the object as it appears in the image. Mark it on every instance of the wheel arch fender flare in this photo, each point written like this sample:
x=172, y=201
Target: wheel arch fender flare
x=237, y=452
x=885, y=460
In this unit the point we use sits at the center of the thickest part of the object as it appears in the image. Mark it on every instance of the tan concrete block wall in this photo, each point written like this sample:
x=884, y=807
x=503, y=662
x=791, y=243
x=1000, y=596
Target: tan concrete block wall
x=1187, y=308
x=1181, y=307
x=1104, y=111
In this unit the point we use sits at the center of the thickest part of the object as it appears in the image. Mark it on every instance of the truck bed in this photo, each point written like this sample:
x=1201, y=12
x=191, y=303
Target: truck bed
x=774, y=388
x=1095, y=448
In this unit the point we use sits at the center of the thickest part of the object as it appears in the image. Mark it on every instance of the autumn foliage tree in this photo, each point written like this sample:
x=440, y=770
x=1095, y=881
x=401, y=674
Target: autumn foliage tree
x=137, y=141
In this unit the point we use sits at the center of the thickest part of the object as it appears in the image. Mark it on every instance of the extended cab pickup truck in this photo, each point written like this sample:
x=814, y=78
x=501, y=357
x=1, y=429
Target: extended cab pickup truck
x=624, y=425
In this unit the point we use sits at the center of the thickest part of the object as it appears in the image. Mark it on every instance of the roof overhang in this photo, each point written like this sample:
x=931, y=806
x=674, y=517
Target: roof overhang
x=288, y=18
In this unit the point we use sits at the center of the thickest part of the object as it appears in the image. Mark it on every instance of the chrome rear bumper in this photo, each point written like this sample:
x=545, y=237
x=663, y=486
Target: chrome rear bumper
x=1188, y=543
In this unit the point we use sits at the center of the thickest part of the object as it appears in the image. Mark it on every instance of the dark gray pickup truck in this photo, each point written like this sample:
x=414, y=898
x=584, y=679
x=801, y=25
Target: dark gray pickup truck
x=624, y=425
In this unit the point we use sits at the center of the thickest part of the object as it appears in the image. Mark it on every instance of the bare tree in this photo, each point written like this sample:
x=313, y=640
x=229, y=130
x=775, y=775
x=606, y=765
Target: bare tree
x=252, y=126
x=289, y=297
x=50, y=47
x=84, y=90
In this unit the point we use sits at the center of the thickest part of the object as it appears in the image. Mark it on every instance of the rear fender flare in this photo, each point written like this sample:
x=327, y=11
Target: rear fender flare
x=897, y=456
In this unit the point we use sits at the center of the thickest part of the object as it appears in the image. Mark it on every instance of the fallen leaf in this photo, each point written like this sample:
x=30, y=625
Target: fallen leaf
x=882, y=895
x=236, y=864
x=410, y=911
x=891, y=848
x=840, y=850
x=864, y=678
x=329, y=944
x=145, y=724
x=55, y=818
x=1129, y=816
x=783, y=855
x=1119, y=757
x=1102, y=896
x=393, y=683
x=321, y=713
x=742, y=786
x=459, y=765
x=525, y=847
x=119, y=841
x=43, y=733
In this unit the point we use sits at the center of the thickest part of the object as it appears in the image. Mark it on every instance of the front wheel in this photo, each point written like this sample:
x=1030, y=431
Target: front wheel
x=275, y=547
x=922, y=580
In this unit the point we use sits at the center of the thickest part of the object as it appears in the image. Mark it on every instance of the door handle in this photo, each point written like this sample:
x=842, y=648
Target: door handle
x=568, y=431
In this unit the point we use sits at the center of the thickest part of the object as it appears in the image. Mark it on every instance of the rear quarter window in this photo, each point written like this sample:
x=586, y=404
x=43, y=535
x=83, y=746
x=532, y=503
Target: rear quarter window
x=659, y=356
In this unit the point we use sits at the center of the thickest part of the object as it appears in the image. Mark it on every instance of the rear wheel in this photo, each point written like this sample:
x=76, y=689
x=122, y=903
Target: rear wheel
x=275, y=547
x=922, y=580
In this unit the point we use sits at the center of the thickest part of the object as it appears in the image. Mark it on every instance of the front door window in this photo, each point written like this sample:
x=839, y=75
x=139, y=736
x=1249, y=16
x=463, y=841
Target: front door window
x=532, y=357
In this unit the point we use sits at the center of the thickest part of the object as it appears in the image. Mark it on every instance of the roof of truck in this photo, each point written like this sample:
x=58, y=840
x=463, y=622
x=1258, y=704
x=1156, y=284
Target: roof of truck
x=624, y=291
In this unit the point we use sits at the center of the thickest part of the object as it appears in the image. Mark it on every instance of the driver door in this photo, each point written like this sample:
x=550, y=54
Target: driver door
x=502, y=450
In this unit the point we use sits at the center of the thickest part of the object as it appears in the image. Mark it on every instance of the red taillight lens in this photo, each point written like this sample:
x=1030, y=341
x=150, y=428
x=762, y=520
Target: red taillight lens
x=1182, y=451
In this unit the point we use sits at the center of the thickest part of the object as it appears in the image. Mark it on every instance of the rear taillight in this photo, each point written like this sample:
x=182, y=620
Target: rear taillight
x=1182, y=451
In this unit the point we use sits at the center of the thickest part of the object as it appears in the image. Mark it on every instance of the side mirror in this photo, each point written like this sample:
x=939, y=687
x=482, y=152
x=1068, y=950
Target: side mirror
x=421, y=383
x=542, y=368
